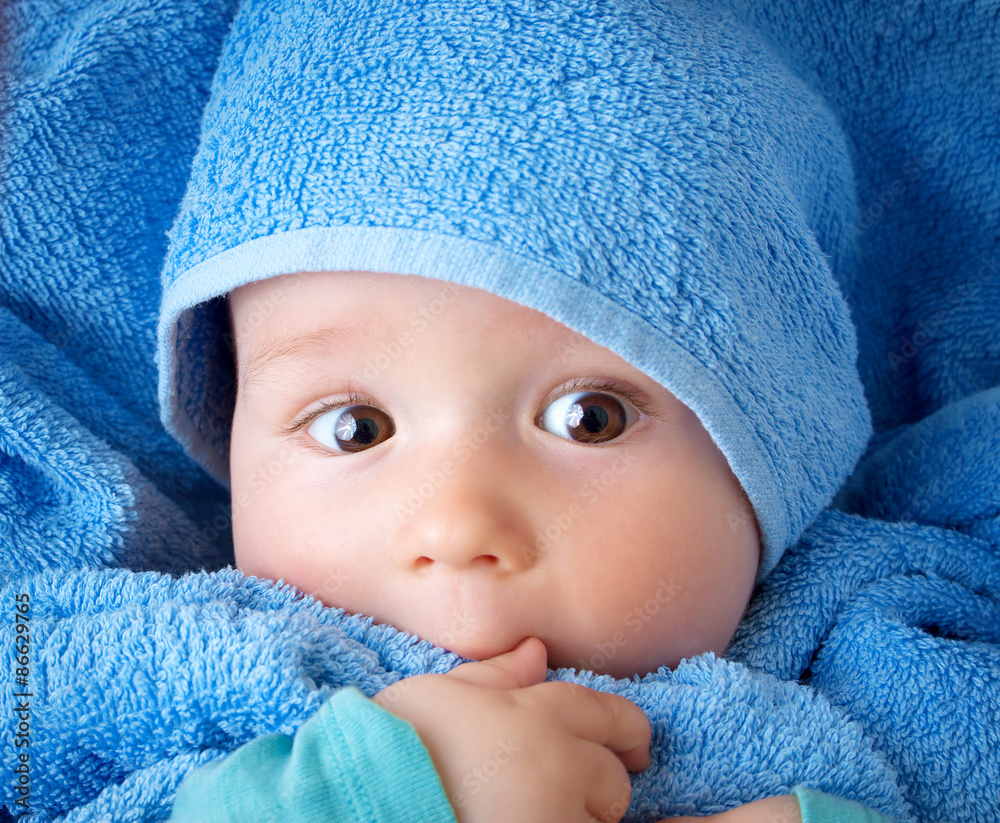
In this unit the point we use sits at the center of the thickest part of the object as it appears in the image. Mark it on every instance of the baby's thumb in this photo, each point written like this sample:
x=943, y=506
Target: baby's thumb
x=522, y=666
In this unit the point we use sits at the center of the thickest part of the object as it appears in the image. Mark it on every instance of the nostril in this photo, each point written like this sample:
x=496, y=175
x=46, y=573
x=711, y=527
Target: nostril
x=422, y=562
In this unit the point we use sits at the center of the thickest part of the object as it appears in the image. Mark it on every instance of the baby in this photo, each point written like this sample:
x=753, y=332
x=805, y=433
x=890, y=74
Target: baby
x=539, y=356
x=562, y=496
x=472, y=566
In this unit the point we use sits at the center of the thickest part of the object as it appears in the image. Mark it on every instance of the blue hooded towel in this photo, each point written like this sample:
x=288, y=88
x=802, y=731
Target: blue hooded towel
x=649, y=178
x=835, y=154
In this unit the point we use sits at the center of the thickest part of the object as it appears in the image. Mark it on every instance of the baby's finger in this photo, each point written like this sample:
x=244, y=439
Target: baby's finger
x=607, y=719
x=609, y=788
x=522, y=666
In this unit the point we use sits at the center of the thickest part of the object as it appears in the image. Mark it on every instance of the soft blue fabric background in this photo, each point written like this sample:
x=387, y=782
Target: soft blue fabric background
x=886, y=611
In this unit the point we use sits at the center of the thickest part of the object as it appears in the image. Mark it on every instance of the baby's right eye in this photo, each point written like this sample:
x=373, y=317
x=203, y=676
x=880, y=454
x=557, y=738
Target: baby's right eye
x=351, y=428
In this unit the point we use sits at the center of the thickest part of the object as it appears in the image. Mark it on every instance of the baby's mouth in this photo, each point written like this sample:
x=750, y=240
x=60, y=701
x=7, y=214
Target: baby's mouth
x=483, y=649
x=473, y=621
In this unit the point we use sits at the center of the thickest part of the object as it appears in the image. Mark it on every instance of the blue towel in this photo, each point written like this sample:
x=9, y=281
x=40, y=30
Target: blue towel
x=868, y=663
x=647, y=176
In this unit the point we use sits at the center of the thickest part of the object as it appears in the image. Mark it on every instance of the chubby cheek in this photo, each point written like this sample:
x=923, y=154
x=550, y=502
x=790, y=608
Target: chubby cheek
x=280, y=538
x=274, y=529
x=666, y=612
x=287, y=526
x=271, y=528
x=713, y=572
x=669, y=568
x=270, y=537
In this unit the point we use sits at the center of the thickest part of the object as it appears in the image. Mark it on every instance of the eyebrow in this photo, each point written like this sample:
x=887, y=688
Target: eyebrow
x=274, y=349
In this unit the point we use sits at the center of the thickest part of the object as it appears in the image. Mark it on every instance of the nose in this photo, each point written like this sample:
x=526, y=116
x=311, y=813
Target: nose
x=467, y=523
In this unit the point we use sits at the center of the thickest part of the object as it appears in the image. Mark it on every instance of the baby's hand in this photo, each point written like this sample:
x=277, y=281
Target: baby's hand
x=780, y=809
x=509, y=746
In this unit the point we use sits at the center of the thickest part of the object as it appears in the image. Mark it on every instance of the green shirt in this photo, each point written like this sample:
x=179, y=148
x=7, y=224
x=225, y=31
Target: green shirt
x=351, y=761
x=818, y=807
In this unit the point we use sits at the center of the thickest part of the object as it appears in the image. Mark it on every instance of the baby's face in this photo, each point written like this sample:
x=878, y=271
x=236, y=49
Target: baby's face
x=473, y=472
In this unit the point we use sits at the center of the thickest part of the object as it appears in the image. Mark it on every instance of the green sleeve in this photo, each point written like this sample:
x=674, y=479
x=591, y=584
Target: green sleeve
x=351, y=761
x=818, y=807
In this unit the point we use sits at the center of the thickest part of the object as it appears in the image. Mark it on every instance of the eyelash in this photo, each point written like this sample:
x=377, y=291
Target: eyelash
x=580, y=384
x=607, y=385
x=353, y=399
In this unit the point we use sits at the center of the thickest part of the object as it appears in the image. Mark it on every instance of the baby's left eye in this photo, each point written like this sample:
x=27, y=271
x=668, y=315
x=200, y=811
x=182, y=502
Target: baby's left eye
x=588, y=417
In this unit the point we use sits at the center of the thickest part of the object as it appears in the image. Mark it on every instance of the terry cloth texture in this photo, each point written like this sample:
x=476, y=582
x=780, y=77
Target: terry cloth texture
x=869, y=663
x=651, y=177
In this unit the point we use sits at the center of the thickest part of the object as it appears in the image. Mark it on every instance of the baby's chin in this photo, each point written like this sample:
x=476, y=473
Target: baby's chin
x=596, y=659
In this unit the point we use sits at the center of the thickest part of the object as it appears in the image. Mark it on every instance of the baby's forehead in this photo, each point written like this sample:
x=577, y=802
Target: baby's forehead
x=290, y=313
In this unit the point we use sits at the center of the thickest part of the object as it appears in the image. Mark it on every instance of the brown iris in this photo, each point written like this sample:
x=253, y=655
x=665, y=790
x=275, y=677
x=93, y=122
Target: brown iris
x=594, y=418
x=359, y=427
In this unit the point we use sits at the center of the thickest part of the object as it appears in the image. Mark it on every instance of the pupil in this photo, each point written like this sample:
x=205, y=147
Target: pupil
x=366, y=431
x=594, y=419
